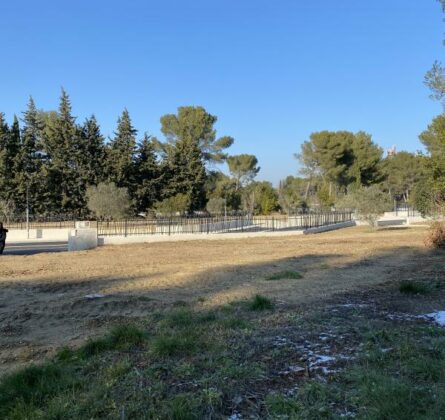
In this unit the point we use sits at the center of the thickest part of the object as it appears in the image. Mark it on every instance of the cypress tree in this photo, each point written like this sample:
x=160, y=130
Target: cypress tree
x=121, y=154
x=63, y=165
x=92, y=152
x=186, y=173
x=148, y=177
x=29, y=176
x=4, y=140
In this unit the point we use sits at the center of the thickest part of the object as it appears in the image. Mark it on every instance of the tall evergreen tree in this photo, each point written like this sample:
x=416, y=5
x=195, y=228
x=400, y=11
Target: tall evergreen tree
x=147, y=175
x=121, y=154
x=29, y=178
x=4, y=140
x=186, y=173
x=92, y=159
x=63, y=148
x=194, y=124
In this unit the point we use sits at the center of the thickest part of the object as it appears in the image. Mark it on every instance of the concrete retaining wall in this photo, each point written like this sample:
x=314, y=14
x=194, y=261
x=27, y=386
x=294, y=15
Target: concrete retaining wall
x=329, y=227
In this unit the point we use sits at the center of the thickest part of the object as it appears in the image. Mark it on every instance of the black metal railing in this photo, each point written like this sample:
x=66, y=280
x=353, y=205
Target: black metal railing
x=170, y=226
x=187, y=225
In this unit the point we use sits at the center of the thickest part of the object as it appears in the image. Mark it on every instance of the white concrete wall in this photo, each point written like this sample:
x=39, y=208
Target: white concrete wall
x=20, y=235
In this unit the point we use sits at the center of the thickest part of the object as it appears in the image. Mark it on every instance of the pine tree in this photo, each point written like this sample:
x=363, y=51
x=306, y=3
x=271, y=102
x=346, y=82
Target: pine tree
x=186, y=173
x=147, y=175
x=29, y=177
x=121, y=154
x=92, y=152
x=4, y=140
x=63, y=147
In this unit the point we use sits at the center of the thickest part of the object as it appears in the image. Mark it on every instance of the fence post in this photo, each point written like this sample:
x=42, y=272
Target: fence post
x=125, y=227
x=169, y=225
x=273, y=224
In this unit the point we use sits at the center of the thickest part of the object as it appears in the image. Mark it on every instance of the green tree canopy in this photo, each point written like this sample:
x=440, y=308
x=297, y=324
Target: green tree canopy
x=195, y=124
x=107, y=201
x=243, y=168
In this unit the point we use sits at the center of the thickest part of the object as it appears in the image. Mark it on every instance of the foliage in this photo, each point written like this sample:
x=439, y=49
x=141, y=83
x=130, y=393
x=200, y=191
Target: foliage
x=121, y=153
x=430, y=193
x=177, y=204
x=436, y=236
x=294, y=275
x=108, y=201
x=185, y=173
x=403, y=171
x=371, y=203
x=216, y=205
x=243, y=168
x=148, y=177
x=7, y=209
x=195, y=125
x=220, y=186
x=259, y=198
x=342, y=158
x=291, y=192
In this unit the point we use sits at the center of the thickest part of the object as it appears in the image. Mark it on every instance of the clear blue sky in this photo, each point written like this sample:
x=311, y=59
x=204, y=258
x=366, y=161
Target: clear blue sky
x=272, y=71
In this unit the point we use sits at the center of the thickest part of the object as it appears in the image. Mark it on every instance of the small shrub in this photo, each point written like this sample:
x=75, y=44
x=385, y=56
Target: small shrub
x=413, y=287
x=293, y=275
x=436, y=236
x=260, y=303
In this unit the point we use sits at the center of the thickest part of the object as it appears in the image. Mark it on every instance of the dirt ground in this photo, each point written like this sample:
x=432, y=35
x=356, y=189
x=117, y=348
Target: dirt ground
x=43, y=303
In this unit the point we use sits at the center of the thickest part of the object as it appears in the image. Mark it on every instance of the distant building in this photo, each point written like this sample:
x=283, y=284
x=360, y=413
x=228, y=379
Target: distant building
x=392, y=151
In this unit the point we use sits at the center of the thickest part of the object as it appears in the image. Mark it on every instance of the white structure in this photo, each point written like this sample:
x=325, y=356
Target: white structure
x=83, y=237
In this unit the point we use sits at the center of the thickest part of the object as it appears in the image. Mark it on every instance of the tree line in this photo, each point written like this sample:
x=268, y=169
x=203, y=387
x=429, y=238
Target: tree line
x=51, y=164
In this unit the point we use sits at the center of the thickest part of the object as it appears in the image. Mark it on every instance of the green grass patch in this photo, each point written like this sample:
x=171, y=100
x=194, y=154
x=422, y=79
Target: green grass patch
x=288, y=275
x=33, y=386
x=176, y=344
x=414, y=287
x=260, y=303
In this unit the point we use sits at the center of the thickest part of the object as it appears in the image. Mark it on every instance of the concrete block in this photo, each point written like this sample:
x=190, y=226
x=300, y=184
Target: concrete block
x=82, y=239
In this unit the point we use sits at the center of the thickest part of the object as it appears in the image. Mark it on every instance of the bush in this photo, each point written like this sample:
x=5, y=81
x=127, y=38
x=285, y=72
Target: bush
x=108, y=201
x=436, y=236
x=260, y=303
x=178, y=204
x=370, y=203
x=216, y=205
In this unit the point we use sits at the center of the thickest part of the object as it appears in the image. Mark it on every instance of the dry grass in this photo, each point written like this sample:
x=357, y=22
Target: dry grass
x=436, y=236
x=43, y=304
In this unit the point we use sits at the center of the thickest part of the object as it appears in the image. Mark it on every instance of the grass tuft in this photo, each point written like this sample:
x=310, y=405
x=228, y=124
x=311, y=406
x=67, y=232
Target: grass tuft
x=292, y=275
x=173, y=344
x=260, y=303
x=413, y=287
x=126, y=335
x=33, y=385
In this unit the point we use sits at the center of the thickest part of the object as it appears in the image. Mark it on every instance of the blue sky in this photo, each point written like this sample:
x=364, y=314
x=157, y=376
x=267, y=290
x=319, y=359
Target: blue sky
x=272, y=71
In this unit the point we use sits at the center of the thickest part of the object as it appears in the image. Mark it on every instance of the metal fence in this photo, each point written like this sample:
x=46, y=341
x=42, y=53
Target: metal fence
x=40, y=222
x=209, y=225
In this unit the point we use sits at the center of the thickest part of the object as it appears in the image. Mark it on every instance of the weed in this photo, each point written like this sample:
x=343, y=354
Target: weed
x=413, y=287
x=126, y=335
x=182, y=343
x=292, y=275
x=260, y=303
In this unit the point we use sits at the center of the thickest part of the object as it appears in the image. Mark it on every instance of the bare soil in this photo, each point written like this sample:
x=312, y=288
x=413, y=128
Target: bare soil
x=43, y=303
